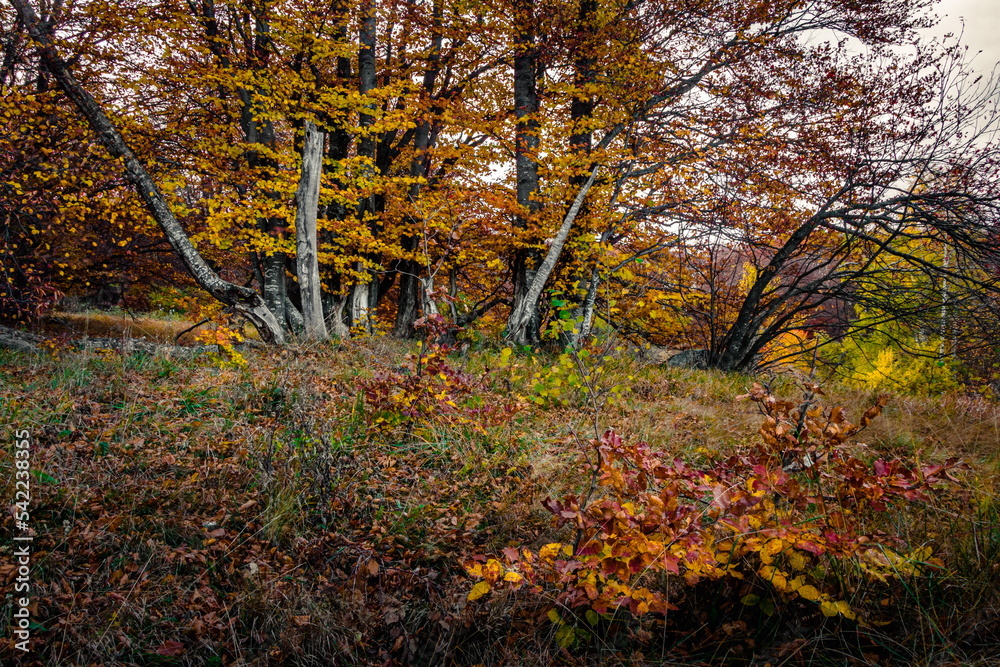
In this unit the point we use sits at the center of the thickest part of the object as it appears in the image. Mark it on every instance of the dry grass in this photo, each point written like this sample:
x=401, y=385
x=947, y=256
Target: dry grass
x=106, y=325
x=341, y=540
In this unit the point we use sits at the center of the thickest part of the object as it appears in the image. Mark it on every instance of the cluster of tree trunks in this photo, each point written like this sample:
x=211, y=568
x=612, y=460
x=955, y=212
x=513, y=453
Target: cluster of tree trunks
x=636, y=143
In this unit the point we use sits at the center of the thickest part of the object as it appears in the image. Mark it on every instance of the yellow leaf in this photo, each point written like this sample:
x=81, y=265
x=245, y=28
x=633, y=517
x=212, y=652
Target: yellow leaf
x=492, y=570
x=845, y=609
x=828, y=608
x=479, y=590
x=797, y=561
x=773, y=547
x=808, y=592
x=550, y=550
x=774, y=576
x=512, y=577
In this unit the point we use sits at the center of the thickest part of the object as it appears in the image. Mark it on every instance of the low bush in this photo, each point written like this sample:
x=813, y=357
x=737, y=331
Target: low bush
x=782, y=521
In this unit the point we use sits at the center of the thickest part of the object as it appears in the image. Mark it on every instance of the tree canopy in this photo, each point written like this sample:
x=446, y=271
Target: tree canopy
x=729, y=175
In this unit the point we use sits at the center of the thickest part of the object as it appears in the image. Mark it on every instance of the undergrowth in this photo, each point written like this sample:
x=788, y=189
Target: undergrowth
x=340, y=504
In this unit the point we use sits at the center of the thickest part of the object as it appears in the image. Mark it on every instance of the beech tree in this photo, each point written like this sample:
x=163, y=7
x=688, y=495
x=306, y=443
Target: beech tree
x=695, y=79
x=243, y=299
x=863, y=219
x=307, y=205
x=714, y=175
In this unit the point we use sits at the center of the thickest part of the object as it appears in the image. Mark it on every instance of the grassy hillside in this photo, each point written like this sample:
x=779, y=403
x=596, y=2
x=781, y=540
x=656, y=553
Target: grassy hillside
x=327, y=505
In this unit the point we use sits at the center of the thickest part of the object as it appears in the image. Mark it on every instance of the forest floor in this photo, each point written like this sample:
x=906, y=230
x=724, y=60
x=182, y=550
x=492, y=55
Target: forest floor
x=315, y=506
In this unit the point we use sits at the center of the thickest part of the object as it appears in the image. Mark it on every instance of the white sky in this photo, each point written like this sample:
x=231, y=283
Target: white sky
x=982, y=28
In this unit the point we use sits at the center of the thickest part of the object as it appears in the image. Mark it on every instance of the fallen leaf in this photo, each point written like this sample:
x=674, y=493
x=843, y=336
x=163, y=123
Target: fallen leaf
x=479, y=590
x=170, y=648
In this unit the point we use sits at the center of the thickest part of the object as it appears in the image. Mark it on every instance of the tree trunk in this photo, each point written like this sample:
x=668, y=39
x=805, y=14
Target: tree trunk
x=584, y=313
x=525, y=318
x=453, y=294
x=261, y=131
x=738, y=347
x=333, y=312
x=256, y=132
x=521, y=315
x=334, y=302
x=242, y=299
x=293, y=318
x=409, y=270
x=364, y=294
x=357, y=306
x=274, y=289
x=408, y=303
x=946, y=346
x=580, y=144
x=427, y=296
x=307, y=205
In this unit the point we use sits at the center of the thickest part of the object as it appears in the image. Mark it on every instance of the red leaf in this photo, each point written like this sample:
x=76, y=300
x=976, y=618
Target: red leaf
x=671, y=564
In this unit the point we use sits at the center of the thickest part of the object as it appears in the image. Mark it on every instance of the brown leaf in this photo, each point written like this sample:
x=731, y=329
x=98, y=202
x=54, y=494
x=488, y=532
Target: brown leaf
x=170, y=648
x=837, y=415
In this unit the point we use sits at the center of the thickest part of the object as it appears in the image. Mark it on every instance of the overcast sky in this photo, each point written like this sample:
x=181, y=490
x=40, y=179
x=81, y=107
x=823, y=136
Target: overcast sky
x=982, y=28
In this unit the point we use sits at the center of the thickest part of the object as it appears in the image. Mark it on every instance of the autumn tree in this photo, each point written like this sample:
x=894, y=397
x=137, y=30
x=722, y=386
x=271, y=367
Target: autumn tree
x=70, y=224
x=858, y=215
x=671, y=87
x=245, y=300
x=708, y=175
x=741, y=131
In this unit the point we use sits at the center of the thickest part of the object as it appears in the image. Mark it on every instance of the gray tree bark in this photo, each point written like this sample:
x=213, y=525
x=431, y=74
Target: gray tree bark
x=274, y=288
x=307, y=208
x=584, y=313
x=293, y=317
x=363, y=296
x=427, y=302
x=581, y=143
x=335, y=302
x=409, y=270
x=525, y=318
x=333, y=309
x=523, y=312
x=242, y=299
